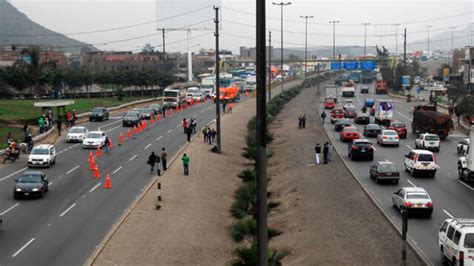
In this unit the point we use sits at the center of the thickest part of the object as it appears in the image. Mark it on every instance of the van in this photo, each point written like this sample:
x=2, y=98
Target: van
x=456, y=241
x=421, y=162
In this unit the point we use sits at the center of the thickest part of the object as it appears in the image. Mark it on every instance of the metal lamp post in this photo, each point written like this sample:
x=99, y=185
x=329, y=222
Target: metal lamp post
x=281, y=4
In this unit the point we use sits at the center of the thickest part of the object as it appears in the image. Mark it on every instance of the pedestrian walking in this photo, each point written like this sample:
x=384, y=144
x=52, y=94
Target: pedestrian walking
x=189, y=131
x=59, y=124
x=209, y=136
x=164, y=158
x=106, y=144
x=9, y=138
x=26, y=132
x=205, y=133
x=323, y=117
x=325, y=153
x=185, y=160
x=164, y=112
x=41, y=124
x=185, y=125
x=152, y=161
x=303, y=121
x=213, y=135
x=194, y=125
x=223, y=106
x=317, y=151
x=300, y=121
x=329, y=152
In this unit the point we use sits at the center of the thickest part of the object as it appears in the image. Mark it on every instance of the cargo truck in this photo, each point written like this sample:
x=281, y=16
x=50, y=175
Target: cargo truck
x=384, y=112
x=381, y=87
x=466, y=162
x=331, y=92
x=427, y=119
x=348, y=89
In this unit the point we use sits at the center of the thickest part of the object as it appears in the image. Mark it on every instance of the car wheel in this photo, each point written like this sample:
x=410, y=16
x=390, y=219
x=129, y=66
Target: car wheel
x=401, y=208
x=395, y=181
x=15, y=196
x=397, y=145
x=460, y=174
x=444, y=260
x=433, y=173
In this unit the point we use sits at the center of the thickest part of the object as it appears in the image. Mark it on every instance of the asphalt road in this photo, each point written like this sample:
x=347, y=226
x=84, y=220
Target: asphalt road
x=65, y=227
x=451, y=197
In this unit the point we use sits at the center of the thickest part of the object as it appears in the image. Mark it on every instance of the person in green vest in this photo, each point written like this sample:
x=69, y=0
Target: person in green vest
x=41, y=123
x=185, y=160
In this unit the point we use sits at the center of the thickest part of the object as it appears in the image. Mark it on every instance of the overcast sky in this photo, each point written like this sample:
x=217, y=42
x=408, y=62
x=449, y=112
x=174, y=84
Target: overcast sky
x=238, y=21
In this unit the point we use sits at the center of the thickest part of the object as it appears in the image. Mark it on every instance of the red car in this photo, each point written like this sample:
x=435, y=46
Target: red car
x=400, y=128
x=336, y=114
x=349, y=133
x=329, y=104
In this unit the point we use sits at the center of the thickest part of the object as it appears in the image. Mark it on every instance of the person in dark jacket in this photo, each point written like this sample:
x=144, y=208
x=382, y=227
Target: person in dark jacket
x=325, y=152
x=164, y=158
x=152, y=161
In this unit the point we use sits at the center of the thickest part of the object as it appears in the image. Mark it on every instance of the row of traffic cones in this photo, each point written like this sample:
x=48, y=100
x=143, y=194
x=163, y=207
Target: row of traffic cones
x=94, y=167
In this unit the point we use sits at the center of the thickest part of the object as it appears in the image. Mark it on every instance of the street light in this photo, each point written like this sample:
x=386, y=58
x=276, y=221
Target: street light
x=396, y=56
x=428, y=27
x=334, y=22
x=306, y=44
x=281, y=4
x=365, y=24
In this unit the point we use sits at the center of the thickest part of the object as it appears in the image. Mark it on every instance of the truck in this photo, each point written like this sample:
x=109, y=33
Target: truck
x=427, y=119
x=348, y=89
x=366, y=77
x=384, y=112
x=466, y=162
x=251, y=81
x=356, y=76
x=174, y=96
x=381, y=87
x=331, y=92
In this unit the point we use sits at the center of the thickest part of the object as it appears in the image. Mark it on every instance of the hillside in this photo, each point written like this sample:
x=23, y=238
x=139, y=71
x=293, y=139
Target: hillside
x=16, y=26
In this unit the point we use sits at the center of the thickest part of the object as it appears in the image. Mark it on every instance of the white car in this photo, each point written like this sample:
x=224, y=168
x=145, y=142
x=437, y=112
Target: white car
x=348, y=104
x=388, y=137
x=76, y=134
x=456, y=241
x=413, y=200
x=421, y=161
x=198, y=96
x=94, y=139
x=428, y=141
x=462, y=146
x=42, y=155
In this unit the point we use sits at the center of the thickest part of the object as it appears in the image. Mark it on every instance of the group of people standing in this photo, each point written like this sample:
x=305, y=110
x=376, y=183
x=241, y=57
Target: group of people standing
x=189, y=127
x=327, y=153
x=154, y=159
x=209, y=135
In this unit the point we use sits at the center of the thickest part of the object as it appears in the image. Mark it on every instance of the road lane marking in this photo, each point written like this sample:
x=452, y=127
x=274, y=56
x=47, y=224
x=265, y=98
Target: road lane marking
x=466, y=185
x=72, y=170
x=109, y=124
x=148, y=146
x=133, y=157
x=68, y=209
x=50, y=184
x=448, y=214
x=10, y=175
x=178, y=125
x=159, y=138
x=107, y=131
x=169, y=131
x=411, y=183
x=22, y=248
x=408, y=146
x=409, y=119
x=95, y=187
x=116, y=170
x=9, y=209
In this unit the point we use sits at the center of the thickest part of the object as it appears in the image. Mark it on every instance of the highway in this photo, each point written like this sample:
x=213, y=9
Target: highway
x=451, y=197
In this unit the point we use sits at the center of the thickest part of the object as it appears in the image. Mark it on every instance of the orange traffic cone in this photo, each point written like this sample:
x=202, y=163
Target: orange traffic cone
x=92, y=165
x=158, y=117
x=152, y=121
x=111, y=145
x=145, y=124
x=129, y=135
x=96, y=172
x=98, y=153
x=108, y=184
x=120, y=138
x=135, y=129
x=91, y=157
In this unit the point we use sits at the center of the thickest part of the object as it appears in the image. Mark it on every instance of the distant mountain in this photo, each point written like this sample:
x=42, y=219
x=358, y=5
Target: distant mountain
x=16, y=26
x=442, y=41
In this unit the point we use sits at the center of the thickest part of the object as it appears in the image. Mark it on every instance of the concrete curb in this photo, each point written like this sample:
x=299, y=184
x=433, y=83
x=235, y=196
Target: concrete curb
x=397, y=227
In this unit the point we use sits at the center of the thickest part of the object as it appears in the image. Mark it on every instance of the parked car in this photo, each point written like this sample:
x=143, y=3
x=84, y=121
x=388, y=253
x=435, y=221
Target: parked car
x=131, y=118
x=99, y=114
x=329, y=104
x=399, y=127
x=31, y=183
x=350, y=112
x=364, y=89
x=341, y=123
x=42, y=155
x=388, y=137
x=413, y=200
x=462, y=147
x=336, y=114
x=94, y=139
x=421, y=162
x=156, y=107
x=362, y=118
x=456, y=241
x=349, y=133
x=360, y=149
x=428, y=141
x=372, y=130
x=76, y=134
x=384, y=170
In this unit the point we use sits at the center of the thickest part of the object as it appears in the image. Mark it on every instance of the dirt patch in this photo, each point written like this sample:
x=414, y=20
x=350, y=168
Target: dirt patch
x=326, y=217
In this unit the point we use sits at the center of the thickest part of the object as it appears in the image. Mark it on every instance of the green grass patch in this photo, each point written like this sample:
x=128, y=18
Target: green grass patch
x=16, y=131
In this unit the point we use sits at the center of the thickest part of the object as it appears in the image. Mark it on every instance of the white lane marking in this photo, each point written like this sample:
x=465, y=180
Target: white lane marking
x=116, y=170
x=9, y=209
x=408, y=146
x=68, y=209
x=374, y=148
x=169, y=131
x=448, y=214
x=411, y=183
x=107, y=131
x=466, y=185
x=22, y=248
x=178, y=125
x=133, y=157
x=50, y=184
x=148, y=146
x=109, y=124
x=10, y=175
x=409, y=118
x=159, y=138
x=95, y=187
x=386, y=160
x=72, y=170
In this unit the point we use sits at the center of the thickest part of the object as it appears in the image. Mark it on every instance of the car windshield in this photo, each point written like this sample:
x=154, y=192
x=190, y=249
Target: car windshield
x=425, y=158
x=350, y=129
x=76, y=130
x=154, y=106
x=95, y=111
x=94, y=135
x=387, y=167
x=390, y=133
x=432, y=138
x=131, y=114
x=343, y=121
x=373, y=127
x=170, y=93
x=337, y=111
x=350, y=109
x=417, y=196
x=145, y=111
x=469, y=241
x=363, y=144
x=329, y=101
x=29, y=178
x=40, y=151
x=398, y=125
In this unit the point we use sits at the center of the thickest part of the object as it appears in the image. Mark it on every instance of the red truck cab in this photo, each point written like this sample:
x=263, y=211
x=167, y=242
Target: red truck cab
x=381, y=87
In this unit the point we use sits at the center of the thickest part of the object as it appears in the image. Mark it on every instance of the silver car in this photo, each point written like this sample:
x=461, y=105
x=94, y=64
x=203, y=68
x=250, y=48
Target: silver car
x=388, y=137
x=413, y=200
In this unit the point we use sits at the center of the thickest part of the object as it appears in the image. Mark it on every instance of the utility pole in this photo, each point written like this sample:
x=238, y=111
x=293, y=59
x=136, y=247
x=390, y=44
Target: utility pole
x=334, y=22
x=261, y=158
x=365, y=24
x=306, y=44
x=281, y=4
x=269, y=65
x=404, y=50
x=218, y=101
x=428, y=27
x=452, y=43
x=164, y=50
x=395, y=81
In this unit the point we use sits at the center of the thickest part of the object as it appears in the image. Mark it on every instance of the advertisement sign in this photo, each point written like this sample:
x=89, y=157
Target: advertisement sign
x=446, y=74
x=335, y=65
x=406, y=81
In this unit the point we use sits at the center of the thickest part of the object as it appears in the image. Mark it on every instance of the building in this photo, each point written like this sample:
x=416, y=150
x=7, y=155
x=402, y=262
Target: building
x=469, y=68
x=10, y=54
x=99, y=61
x=251, y=52
x=458, y=57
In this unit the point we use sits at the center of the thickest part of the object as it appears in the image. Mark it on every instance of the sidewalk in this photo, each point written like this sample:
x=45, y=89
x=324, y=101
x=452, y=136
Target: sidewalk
x=192, y=226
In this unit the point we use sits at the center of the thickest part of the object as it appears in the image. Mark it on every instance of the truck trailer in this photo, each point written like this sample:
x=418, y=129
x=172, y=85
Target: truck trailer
x=427, y=119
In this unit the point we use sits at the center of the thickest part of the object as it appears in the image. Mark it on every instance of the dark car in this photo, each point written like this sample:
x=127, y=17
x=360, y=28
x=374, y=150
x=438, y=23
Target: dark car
x=145, y=113
x=362, y=118
x=99, y=114
x=156, y=107
x=131, y=118
x=350, y=112
x=372, y=130
x=384, y=170
x=31, y=183
x=364, y=89
x=341, y=123
x=361, y=149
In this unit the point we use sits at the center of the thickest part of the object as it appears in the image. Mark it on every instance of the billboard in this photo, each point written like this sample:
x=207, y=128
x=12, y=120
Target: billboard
x=187, y=14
